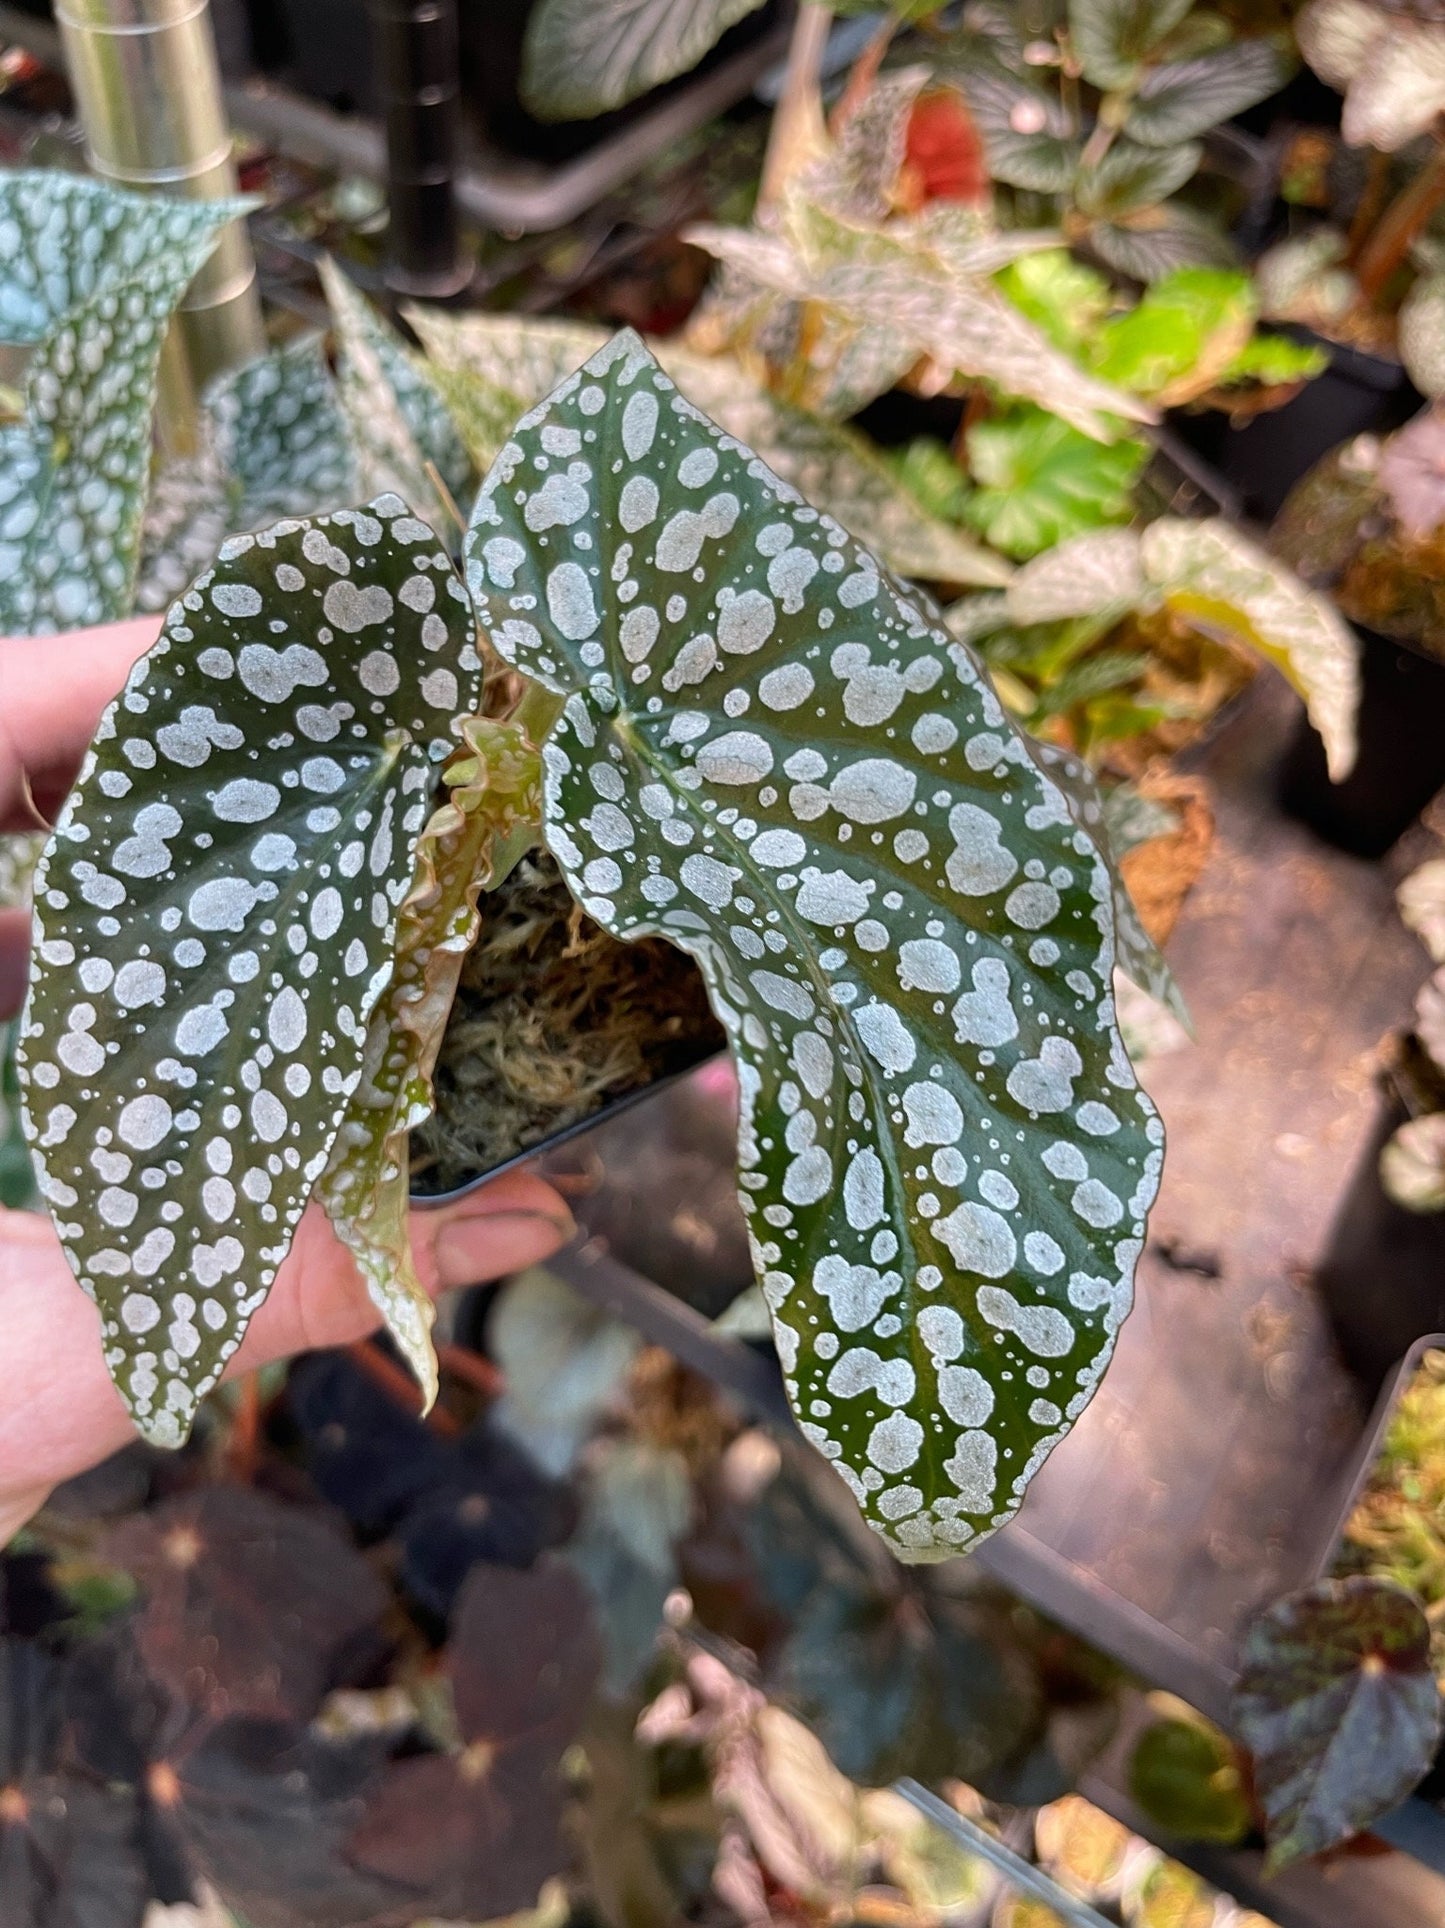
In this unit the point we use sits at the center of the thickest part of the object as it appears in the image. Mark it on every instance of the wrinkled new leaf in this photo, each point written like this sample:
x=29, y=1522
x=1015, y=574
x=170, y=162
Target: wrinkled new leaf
x=215, y=923
x=488, y=819
x=1391, y=69
x=585, y=57
x=89, y=277
x=1412, y=1164
x=1221, y=582
x=1337, y=1704
x=495, y=367
x=281, y=436
x=769, y=757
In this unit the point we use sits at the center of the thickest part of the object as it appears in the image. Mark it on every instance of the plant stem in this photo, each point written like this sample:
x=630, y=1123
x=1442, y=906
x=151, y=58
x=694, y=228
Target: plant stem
x=1403, y=221
x=865, y=72
x=798, y=117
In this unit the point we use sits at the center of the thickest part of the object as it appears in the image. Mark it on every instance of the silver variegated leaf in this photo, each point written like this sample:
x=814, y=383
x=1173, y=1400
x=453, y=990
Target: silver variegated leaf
x=89, y=276
x=388, y=456
x=1422, y=334
x=1032, y=140
x=281, y=435
x=489, y=358
x=1223, y=583
x=911, y=282
x=1183, y=99
x=1131, y=177
x=770, y=757
x=188, y=516
x=216, y=919
x=1154, y=241
x=585, y=57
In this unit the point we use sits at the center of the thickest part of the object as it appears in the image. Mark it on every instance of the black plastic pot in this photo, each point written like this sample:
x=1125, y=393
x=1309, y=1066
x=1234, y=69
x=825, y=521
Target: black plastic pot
x=1264, y=458
x=1401, y=761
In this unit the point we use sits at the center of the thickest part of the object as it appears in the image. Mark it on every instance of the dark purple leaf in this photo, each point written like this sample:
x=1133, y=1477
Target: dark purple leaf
x=524, y=1654
x=366, y=1455
x=248, y=1603
x=1338, y=1706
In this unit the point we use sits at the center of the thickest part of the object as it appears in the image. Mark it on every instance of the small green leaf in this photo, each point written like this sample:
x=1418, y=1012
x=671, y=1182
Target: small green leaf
x=1061, y=296
x=771, y=758
x=216, y=917
x=281, y=435
x=1182, y=337
x=1129, y=178
x=1112, y=37
x=1185, y=98
x=1338, y=1706
x=585, y=57
x=1185, y=1776
x=493, y=800
x=88, y=275
x=1041, y=481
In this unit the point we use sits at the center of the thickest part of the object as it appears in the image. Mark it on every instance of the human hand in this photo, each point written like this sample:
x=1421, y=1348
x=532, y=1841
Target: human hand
x=59, y=1412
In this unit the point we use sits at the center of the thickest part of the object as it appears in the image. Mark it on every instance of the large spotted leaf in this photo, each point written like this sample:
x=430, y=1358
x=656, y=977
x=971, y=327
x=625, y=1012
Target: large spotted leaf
x=281, y=435
x=493, y=367
x=216, y=919
x=89, y=277
x=772, y=758
x=486, y=822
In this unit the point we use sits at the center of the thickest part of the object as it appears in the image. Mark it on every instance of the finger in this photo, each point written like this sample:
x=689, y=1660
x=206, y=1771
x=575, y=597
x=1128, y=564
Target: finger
x=47, y=720
x=60, y=1413
x=14, y=961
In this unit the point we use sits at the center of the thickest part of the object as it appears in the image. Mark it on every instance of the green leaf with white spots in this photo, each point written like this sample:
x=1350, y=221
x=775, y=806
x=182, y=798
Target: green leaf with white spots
x=388, y=455
x=188, y=516
x=772, y=758
x=89, y=277
x=216, y=920
x=1224, y=584
x=488, y=819
x=493, y=368
x=281, y=435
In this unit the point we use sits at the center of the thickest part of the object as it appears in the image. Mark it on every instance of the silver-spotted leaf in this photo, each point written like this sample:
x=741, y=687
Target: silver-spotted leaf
x=216, y=919
x=770, y=757
x=488, y=818
x=187, y=517
x=89, y=277
x=388, y=454
x=494, y=367
x=281, y=435
x=585, y=57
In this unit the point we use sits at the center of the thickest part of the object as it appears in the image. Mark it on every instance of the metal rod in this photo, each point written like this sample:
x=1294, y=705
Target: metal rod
x=1013, y=1867
x=415, y=43
x=511, y=197
x=148, y=92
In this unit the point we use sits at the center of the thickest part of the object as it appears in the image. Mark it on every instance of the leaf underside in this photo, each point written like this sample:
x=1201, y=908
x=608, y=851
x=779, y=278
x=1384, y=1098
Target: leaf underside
x=771, y=758
x=215, y=922
x=1338, y=1705
x=89, y=276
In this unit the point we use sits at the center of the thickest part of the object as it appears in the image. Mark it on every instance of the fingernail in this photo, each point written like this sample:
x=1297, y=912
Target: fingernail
x=487, y=1245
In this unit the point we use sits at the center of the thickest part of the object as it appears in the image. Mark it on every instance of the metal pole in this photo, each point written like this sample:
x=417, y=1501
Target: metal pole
x=148, y=90
x=417, y=74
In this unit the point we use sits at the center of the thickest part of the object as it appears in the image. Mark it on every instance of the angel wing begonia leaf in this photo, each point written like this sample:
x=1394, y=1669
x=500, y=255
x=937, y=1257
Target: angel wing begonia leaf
x=215, y=921
x=772, y=758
